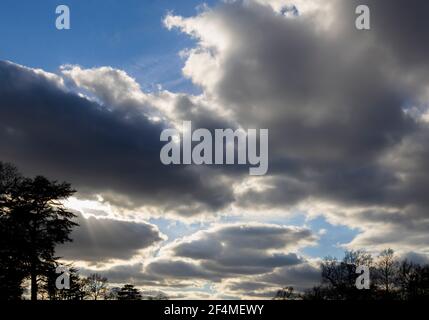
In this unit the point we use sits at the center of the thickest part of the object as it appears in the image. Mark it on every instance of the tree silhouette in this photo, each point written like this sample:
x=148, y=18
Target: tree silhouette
x=77, y=290
x=339, y=277
x=47, y=283
x=390, y=278
x=35, y=222
x=96, y=286
x=161, y=296
x=112, y=293
x=413, y=281
x=128, y=292
x=386, y=267
x=12, y=271
x=286, y=293
x=77, y=287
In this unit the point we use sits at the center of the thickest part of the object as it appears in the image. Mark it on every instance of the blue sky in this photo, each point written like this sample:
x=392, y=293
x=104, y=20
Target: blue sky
x=126, y=35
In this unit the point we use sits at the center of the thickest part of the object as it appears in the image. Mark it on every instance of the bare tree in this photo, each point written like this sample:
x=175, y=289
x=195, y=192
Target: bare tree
x=387, y=267
x=96, y=286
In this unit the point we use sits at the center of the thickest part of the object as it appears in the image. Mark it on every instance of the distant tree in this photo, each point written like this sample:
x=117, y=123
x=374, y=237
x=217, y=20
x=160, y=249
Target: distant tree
x=387, y=271
x=316, y=293
x=339, y=277
x=96, y=286
x=286, y=293
x=413, y=281
x=422, y=282
x=159, y=296
x=162, y=296
x=390, y=278
x=112, y=293
x=128, y=292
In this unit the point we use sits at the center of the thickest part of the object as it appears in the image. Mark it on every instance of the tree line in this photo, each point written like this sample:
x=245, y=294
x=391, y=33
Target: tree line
x=390, y=278
x=92, y=287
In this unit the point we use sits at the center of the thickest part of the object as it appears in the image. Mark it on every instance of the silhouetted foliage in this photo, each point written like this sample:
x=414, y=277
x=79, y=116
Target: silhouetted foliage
x=77, y=291
x=112, y=293
x=413, y=281
x=159, y=296
x=12, y=271
x=286, y=293
x=339, y=277
x=128, y=292
x=32, y=222
x=391, y=279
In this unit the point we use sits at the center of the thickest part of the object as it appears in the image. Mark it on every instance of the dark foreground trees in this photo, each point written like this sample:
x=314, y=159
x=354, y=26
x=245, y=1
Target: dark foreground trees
x=32, y=222
x=390, y=278
x=11, y=271
x=128, y=292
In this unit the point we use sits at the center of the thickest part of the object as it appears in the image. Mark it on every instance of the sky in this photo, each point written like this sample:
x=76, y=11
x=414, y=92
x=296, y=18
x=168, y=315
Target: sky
x=129, y=36
x=347, y=112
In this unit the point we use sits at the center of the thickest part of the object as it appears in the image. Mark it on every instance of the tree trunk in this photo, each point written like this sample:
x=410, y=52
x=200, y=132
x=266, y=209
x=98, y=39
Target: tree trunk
x=33, y=286
x=34, y=262
x=33, y=275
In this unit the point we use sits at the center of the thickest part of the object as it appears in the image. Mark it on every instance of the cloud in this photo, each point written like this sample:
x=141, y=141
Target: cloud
x=49, y=129
x=229, y=256
x=101, y=240
x=301, y=277
x=336, y=101
x=232, y=250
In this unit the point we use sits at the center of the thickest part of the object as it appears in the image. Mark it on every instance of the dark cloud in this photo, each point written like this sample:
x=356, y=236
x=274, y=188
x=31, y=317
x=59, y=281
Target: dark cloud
x=45, y=129
x=401, y=29
x=100, y=240
x=329, y=104
x=334, y=98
